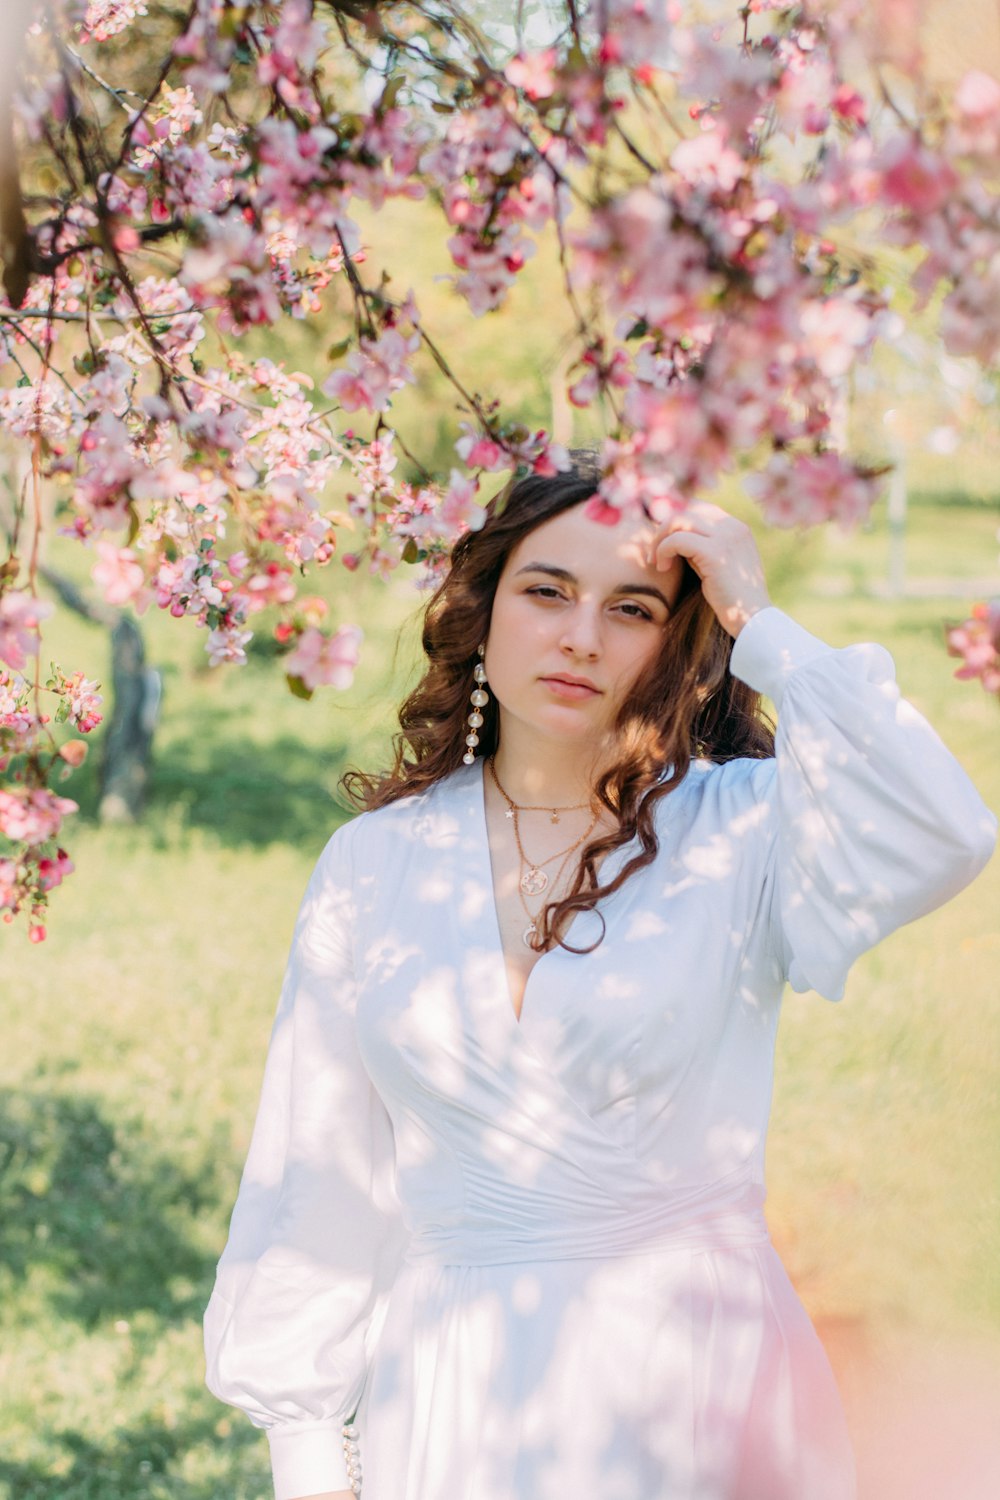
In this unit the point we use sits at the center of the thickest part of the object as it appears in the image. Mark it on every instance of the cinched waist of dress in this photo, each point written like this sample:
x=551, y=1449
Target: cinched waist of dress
x=662, y=1227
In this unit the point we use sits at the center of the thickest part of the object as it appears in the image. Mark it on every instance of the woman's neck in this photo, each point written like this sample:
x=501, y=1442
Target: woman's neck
x=545, y=772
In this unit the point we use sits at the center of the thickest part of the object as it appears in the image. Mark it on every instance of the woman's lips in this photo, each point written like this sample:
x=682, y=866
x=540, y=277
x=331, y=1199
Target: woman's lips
x=574, y=688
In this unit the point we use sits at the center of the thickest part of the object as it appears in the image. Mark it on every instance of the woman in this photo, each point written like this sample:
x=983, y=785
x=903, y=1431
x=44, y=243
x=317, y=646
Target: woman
x=500, y=1233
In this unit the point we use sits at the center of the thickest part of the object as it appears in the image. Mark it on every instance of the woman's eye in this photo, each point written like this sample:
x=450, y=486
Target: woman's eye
x=545, y=591
x=634, y=611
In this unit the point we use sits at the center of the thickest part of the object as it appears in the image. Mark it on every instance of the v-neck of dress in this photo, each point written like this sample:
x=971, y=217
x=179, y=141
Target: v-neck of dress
x=615, y=858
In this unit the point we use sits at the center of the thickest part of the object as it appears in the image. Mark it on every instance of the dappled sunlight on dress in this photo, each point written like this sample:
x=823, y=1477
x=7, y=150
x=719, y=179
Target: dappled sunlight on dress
x=532, y=1253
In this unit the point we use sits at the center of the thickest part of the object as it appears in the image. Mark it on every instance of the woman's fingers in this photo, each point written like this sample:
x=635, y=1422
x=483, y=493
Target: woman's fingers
x=722, y=551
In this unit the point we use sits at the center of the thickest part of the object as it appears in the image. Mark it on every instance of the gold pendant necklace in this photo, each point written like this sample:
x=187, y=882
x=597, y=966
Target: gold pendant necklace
x=533, y=881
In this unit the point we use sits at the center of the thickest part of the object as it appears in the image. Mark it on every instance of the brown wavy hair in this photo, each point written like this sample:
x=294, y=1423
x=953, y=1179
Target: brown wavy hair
x=689, y=705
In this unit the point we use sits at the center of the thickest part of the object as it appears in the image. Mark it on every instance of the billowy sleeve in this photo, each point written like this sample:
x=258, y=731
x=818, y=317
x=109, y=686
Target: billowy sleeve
x=315, y=1234
x=874, y=822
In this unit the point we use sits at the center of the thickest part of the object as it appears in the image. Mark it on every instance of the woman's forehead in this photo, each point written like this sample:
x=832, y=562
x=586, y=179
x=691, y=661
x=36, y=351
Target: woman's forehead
x=576, y=542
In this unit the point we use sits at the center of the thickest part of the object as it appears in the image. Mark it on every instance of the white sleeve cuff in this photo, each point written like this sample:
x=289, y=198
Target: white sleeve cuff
x=768, y=650
x=307, y=1459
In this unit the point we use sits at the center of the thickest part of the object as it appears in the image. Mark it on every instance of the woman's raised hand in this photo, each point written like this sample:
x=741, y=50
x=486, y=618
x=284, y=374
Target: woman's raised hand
x=723, y=553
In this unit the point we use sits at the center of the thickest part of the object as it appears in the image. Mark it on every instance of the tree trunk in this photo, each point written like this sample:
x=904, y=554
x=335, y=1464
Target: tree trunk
x=127, y=745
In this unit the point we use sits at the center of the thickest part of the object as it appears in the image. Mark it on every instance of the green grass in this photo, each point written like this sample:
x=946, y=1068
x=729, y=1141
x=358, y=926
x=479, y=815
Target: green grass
x=134, y=1039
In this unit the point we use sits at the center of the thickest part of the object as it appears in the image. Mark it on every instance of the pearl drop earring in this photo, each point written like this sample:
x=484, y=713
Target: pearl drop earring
x=479, y=699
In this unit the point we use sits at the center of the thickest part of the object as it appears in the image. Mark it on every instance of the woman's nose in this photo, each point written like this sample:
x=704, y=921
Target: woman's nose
x=582, y=633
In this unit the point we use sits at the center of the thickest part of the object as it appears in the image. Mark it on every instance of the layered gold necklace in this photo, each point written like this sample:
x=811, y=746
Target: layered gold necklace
x=533, y=880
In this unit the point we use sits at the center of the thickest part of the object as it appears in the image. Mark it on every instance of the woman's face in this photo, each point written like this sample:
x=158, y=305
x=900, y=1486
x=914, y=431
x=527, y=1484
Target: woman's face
x=577, y=618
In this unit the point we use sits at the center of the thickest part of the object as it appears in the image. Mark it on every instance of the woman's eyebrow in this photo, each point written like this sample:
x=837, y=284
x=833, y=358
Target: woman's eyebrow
x=537, y=567
x=565, y=576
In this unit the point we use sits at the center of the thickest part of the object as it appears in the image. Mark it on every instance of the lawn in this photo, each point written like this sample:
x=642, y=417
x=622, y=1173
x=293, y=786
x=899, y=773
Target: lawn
x=135, y=1037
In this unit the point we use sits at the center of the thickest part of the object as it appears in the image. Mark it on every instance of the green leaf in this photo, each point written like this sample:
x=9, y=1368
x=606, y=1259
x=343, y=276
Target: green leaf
x=338, y=350
x=297, y=687
x=391, y=91
x=411, y=552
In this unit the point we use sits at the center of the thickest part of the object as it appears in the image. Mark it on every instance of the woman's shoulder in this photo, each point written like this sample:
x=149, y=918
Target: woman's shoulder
x=402, y=817
x=725, y=786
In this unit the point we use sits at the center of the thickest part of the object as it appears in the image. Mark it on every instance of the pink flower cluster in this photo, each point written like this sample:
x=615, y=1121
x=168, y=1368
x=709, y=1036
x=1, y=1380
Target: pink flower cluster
x=977, y=642
x=374, y=372
x=806, y=489
x=20, y=616
x=494, y=186
x=638, y=32
x=106, y=18
x=80, y=702
x=32, y=815
x=511, y=446
x=320, y=660
x=717, y=305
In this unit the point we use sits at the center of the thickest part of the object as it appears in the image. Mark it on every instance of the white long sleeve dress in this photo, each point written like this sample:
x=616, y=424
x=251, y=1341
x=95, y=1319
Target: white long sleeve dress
x=531, y=1256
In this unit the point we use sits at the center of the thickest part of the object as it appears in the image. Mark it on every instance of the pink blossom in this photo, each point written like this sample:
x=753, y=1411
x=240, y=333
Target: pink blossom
x=180, y=327
x=634, y=480
x=375, y=463
x=914, y=177
x=52, y=872
x=587, y=387
x=174, y=113
x=295, y=44
x=546, y=457
x=805, y=489
x=374, y=372
x=20, y=616
x=638, y=31
x=206, y=48
x=30, y=815
x=108, y=463
x=293, y=157
x=15, y=715
x=706, y=162
x=106, y=18
x=538, y=199
x=977, y=643
x=597, y=509
x=10, y=886
x=118, y=574
x=804, y=94
x=40, y=101
x=834, y=330
x=320, y=660
x=231, y=268
x=458, y=510
x=228, y=644
x=849, y=105
x=82, y=699
x=534, y=73
x=648, y=266
x=490, y=265
x=479, y=452
x=976, y=130
x=736, y=84
x=592, y=107
x=25, y=410
x=970, y=315
x=274, y=585
x=189, y=585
